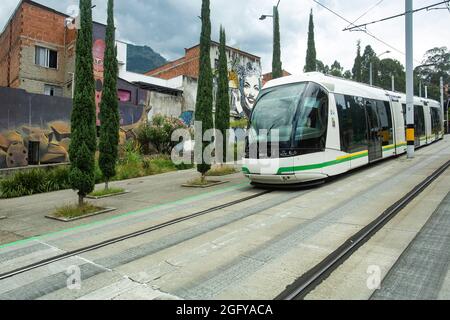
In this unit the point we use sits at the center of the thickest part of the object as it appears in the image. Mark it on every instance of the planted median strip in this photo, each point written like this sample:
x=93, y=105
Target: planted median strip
x=70, y=213
x=111, y=192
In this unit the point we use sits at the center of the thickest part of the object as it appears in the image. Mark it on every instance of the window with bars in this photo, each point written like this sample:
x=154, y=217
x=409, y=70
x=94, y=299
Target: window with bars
x=46, y=58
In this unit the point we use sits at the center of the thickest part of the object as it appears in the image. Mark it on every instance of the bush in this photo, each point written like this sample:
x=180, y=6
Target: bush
x=26, y=183
x=159, y=134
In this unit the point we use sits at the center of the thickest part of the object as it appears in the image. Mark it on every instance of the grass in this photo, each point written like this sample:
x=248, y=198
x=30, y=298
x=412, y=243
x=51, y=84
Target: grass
x=199, y=182
x=108, y=192
x=74, y=211
x=220, y=171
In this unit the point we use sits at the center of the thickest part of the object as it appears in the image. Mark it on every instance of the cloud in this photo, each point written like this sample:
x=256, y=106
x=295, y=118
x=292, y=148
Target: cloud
x=169, y=26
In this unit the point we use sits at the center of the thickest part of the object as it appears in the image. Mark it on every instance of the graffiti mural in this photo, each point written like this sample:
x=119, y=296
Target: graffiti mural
x=44, y=121
x=98, y=52
x=245, y=84
x=244, y=75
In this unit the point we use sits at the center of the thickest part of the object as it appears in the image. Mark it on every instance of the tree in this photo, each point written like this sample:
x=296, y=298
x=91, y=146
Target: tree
x=436, y=64
x=336, y=69
x=369, y=56
x=277, y=68
x=109, y=107
x=83, y=143
x=203, y=110
x=311, y=51
x=223, y=98
x=357, y=67
x=388, y=68
x=321, y=67
x=348, y=75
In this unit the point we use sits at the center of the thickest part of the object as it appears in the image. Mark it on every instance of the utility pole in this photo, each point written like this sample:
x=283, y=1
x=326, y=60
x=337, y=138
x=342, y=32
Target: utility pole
x=426, y=92
x=410, y=134
x=444, y=116
x=393, y=83
x=420, y=88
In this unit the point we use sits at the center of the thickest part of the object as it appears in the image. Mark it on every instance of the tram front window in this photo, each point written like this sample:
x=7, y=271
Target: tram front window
x=274, y=113
x=312, y=121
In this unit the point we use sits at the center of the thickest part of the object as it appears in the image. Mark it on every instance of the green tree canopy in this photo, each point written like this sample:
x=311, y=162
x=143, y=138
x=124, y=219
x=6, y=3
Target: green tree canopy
x=357, y=67
x=277, y=67
x=436, y=64
x=83, y=143
x=109, y=107
x=203, y=110
x=388, y=68
x=369, y=56
x=336, y=69
x=311, y=54
x=222, y=116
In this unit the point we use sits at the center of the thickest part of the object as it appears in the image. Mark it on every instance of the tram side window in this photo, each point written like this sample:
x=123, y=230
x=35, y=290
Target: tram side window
x=385, y=116
x=352, y=123
x=419, y=120
x=436, y=121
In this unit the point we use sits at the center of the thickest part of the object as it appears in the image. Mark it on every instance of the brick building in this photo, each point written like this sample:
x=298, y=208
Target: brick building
x=37, y=51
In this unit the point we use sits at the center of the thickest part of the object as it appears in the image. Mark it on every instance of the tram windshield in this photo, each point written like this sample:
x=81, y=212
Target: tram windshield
x=275, y=111
x=299, y=113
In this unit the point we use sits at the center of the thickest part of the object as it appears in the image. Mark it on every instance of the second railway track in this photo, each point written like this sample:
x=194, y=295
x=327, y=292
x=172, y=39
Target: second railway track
x=138, y=233
x=315, y=276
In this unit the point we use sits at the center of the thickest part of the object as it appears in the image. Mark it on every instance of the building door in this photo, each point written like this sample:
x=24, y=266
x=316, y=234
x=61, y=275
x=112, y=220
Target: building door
x=374, y=131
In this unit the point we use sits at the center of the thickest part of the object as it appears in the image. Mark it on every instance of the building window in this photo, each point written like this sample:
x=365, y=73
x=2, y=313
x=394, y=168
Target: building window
x=124, y=95
x=46, y=58
x=50, y=90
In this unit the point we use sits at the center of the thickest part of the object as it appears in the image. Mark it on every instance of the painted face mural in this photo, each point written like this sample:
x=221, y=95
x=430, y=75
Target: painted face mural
x=249, y=87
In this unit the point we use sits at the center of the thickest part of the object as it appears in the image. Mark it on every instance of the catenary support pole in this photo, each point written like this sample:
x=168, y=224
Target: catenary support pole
x=444, y=116
x=410, y=134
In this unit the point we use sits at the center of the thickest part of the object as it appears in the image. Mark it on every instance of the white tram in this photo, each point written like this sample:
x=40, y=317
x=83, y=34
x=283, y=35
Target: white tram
x=327, y=126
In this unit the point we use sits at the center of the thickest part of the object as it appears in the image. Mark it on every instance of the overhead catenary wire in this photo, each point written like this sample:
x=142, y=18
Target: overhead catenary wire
x=363, y=30
x=365, y=13
x=447, y=2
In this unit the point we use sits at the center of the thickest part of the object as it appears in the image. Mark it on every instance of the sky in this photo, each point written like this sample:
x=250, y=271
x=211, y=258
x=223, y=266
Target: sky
x=169, y=26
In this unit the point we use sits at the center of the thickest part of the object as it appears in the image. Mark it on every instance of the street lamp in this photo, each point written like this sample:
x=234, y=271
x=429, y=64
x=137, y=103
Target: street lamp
x=371, y=66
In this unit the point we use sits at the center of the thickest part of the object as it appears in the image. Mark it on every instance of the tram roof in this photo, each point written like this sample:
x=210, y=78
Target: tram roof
x=345, y=86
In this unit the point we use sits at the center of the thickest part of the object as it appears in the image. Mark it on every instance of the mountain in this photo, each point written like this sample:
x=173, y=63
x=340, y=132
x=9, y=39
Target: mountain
x=141, y=59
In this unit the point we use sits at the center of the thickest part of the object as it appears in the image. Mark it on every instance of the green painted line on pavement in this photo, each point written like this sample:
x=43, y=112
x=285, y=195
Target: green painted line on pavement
x=180, y=201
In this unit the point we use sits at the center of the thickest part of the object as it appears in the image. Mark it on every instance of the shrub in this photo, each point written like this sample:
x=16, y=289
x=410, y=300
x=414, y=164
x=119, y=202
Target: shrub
x=159, y=134
x=26, y=183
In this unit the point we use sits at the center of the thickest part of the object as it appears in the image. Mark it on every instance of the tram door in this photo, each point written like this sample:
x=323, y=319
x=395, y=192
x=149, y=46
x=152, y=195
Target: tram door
x=374, y=131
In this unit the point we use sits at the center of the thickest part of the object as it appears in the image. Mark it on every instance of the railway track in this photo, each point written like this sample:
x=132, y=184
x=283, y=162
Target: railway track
x=315, y=276
x=135, y=234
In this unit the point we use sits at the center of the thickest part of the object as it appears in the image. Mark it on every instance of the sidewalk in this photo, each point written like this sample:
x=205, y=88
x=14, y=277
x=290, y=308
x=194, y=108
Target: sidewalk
x=25, y=216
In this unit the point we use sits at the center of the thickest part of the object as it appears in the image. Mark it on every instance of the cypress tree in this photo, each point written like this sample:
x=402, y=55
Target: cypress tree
x=109, y=107
x=357, y=67
x=277, y=68
x=203, y=109
x=222, y=119
x=83, y=120
x=311, y=55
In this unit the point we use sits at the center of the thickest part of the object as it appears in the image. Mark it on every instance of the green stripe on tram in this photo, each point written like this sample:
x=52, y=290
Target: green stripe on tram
x=339, y=160
x=324, y=164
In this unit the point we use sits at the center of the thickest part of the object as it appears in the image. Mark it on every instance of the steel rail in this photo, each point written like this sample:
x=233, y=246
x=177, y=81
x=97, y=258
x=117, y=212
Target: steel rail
x=315, y=276
x=126, y=236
